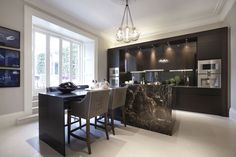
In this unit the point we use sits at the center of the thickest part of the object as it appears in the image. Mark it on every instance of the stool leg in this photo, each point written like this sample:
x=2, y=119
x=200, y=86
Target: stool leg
x=96, y=119
x=123, y=115
x=80, y=123
x=106, y=126
x=112, y=122
x=88, y=135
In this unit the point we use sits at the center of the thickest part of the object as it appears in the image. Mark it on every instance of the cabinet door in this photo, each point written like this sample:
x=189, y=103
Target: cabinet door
x=130, y=61
x=211, y=44
x=113, y=58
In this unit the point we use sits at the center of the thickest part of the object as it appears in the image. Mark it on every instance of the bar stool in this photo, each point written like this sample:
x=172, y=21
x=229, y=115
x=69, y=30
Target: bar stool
x=117, y=99
x=94, y=104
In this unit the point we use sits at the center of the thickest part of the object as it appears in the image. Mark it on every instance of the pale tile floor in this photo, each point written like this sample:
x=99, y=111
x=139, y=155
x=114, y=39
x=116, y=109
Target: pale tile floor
x=196, y=135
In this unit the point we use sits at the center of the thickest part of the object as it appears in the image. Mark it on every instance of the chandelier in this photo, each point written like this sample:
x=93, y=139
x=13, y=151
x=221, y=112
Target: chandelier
x=126, y=32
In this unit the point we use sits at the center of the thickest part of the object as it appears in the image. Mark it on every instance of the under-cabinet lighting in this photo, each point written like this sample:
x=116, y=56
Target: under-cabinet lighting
x=153, y=70
x=136, y=72
x=181, y=70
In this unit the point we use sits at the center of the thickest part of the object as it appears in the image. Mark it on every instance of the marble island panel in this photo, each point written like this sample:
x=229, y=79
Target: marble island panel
x=149, y=107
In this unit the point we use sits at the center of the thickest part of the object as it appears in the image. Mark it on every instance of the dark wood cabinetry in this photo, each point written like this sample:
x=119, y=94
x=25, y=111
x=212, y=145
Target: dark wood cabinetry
x=211, y=44
x=203, y=100
x=113, y=58
x=179, y=56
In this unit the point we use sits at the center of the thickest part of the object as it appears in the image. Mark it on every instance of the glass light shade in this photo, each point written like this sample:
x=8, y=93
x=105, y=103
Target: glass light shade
x=119, y=34
x=127, y=34
x=135, y=34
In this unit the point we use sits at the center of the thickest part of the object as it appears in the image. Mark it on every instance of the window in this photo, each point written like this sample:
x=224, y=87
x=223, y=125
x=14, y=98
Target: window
x=40, y=61
x=59, y=59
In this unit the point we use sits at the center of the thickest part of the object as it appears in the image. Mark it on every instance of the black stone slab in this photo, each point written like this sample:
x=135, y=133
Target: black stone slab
x=149, y=107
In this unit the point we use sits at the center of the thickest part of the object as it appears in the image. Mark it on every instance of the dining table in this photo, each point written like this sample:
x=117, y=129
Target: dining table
x=52, y=107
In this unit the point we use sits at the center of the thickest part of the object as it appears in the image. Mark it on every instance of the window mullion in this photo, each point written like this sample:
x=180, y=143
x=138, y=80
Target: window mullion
x=70, y=61
x=60, y=60
x=82, y=63
x=33, y=61
x=48, y=66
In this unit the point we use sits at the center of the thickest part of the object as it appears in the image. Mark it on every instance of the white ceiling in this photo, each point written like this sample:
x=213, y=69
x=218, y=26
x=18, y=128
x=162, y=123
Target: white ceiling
x=150, y=16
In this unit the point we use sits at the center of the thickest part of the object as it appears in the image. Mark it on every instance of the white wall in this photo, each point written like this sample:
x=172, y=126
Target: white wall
x=12, y=16
x=102, y=59
x=231, y=22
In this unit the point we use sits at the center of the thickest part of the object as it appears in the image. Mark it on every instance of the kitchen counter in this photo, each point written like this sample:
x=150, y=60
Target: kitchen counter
x=149, y=107
x=194, y=87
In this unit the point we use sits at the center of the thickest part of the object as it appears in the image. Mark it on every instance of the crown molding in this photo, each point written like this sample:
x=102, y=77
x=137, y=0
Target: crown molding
x=226, y=9
x=219, y=6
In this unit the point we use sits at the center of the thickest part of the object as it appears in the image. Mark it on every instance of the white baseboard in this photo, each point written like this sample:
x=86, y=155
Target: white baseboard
x=232, y=114
x=10, y=119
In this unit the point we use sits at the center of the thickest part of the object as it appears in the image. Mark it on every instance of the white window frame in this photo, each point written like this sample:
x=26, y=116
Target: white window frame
x=61, y=37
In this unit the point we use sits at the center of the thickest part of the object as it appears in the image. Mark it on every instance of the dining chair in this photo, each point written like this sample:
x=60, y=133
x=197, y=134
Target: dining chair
x=75, y=119
x=94, y=104
x=117, y=100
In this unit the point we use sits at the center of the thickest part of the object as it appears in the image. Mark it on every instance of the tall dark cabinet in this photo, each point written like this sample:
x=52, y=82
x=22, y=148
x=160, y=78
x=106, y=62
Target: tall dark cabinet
x=113, y=59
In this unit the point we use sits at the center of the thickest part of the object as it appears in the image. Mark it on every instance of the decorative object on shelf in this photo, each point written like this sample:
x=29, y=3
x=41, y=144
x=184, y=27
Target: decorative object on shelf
x=164, y=60
x=9, y=78
x=67, y=87
x=9, y=58
x=127, y=33
x=9, y=38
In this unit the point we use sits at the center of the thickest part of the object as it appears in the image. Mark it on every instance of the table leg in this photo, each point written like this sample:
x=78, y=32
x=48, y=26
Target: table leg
x=51, y=122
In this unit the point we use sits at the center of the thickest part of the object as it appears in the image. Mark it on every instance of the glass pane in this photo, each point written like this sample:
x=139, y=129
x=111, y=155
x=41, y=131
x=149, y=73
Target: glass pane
x=75, y=55
x=54, y=61
x=65, y=61
x=40, y=61
x=89, y=63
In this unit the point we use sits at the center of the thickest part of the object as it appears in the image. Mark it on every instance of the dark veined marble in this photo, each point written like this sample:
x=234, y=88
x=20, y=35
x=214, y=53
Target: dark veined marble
x=149, y=107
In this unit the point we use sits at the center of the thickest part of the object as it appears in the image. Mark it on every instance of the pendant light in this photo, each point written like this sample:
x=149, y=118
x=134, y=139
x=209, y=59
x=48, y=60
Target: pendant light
x=127, y=32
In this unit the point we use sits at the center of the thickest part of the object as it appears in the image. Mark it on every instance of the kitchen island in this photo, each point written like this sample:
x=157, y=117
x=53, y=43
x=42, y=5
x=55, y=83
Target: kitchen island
x=149, y=107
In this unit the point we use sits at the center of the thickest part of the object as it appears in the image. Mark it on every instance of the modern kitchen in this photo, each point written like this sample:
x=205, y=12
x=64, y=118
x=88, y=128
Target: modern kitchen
x=122, y=78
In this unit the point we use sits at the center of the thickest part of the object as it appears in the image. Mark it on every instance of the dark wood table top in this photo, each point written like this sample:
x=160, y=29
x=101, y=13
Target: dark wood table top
x=75, y=93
